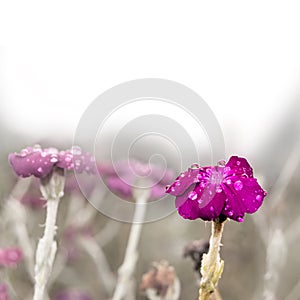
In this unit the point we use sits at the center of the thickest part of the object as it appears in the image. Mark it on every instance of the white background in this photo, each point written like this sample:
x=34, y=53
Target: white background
x=242, y=57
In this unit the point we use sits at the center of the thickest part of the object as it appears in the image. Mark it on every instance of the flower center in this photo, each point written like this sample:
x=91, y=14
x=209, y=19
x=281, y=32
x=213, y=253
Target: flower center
x=217, y=175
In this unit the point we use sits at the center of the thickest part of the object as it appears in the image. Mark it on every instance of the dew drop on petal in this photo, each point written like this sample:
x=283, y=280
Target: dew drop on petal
x=40, y=169
x=211, y=208
x=228, y=181
x=195, y=166
x=54, y=160
x=227, y=169
x=177, y=183
x=230, y=213
x=43, y=154
x=240, y=219
x=172, y=189
x=221, y=163
x=258, y=197
x=219, y=189
x=76, y=150
x=238, y=162
x=238, y=185
x=192, y=195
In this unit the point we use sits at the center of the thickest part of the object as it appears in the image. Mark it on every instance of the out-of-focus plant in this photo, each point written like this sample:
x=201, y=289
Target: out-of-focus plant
x=49, y=165
x=161, y=282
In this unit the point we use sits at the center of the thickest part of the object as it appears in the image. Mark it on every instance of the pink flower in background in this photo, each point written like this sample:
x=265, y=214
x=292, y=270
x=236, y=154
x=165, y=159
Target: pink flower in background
x=72, y=295
x=228, y=189
x=39, y=162
x=3, y=292
x=123, y=176
x=10, y=257
x=33, y=201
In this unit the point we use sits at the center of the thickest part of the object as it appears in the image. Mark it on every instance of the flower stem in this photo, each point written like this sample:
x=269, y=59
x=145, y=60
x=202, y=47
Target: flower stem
x=52, y=190
x=125, y=278
x=212, y=265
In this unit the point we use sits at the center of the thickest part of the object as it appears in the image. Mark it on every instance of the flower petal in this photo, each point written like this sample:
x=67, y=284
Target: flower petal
x=33, y=161
x=201, y=201
x=183, y=182
x=238, y=166
x=77, y=160
x=243, y=196
x=120, y=187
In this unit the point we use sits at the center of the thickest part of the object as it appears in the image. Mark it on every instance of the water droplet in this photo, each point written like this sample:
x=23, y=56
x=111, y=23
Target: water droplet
x=200, y=201
x=195, y=166
x=76, y=150
x=240, y=219
x=238, y=163
x=210, y=192
x=182, y=175
x=227, y=207
x=228, y=181
x=172, y=189
x=258, y=197
x=211, y=208
x=230, y=213
x=177, y=183
x=227, y=169
x=221, y=163
x=24, y=152
x=238, y=185
x=40, y=169
x=54, y=160
x=192, y=195
x=37, y=147
x=43, y=154
x=33, y=161
x=68, y=158
x=219, y=190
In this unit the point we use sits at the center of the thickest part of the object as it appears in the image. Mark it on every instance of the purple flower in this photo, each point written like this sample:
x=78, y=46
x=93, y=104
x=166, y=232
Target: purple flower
x=10, y=257
x=122, y=177
x=39, y=162
x=3, y=292
x=72, y=295
x=228, y=189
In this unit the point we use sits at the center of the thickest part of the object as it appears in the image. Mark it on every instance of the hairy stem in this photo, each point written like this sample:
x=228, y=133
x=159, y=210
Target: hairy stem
x=52, y=190
x=212, y=265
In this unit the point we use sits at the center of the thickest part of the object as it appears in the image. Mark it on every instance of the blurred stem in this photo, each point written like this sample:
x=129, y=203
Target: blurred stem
x=212, y=265
x=96, y=253
x=52, y=190
x=126, y=271
x=18, y=216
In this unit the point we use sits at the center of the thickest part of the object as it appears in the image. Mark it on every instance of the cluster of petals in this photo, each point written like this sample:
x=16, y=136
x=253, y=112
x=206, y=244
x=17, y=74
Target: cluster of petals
x=10, y=257
x=228, y=189
x=39, y=162
x=123, y=176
